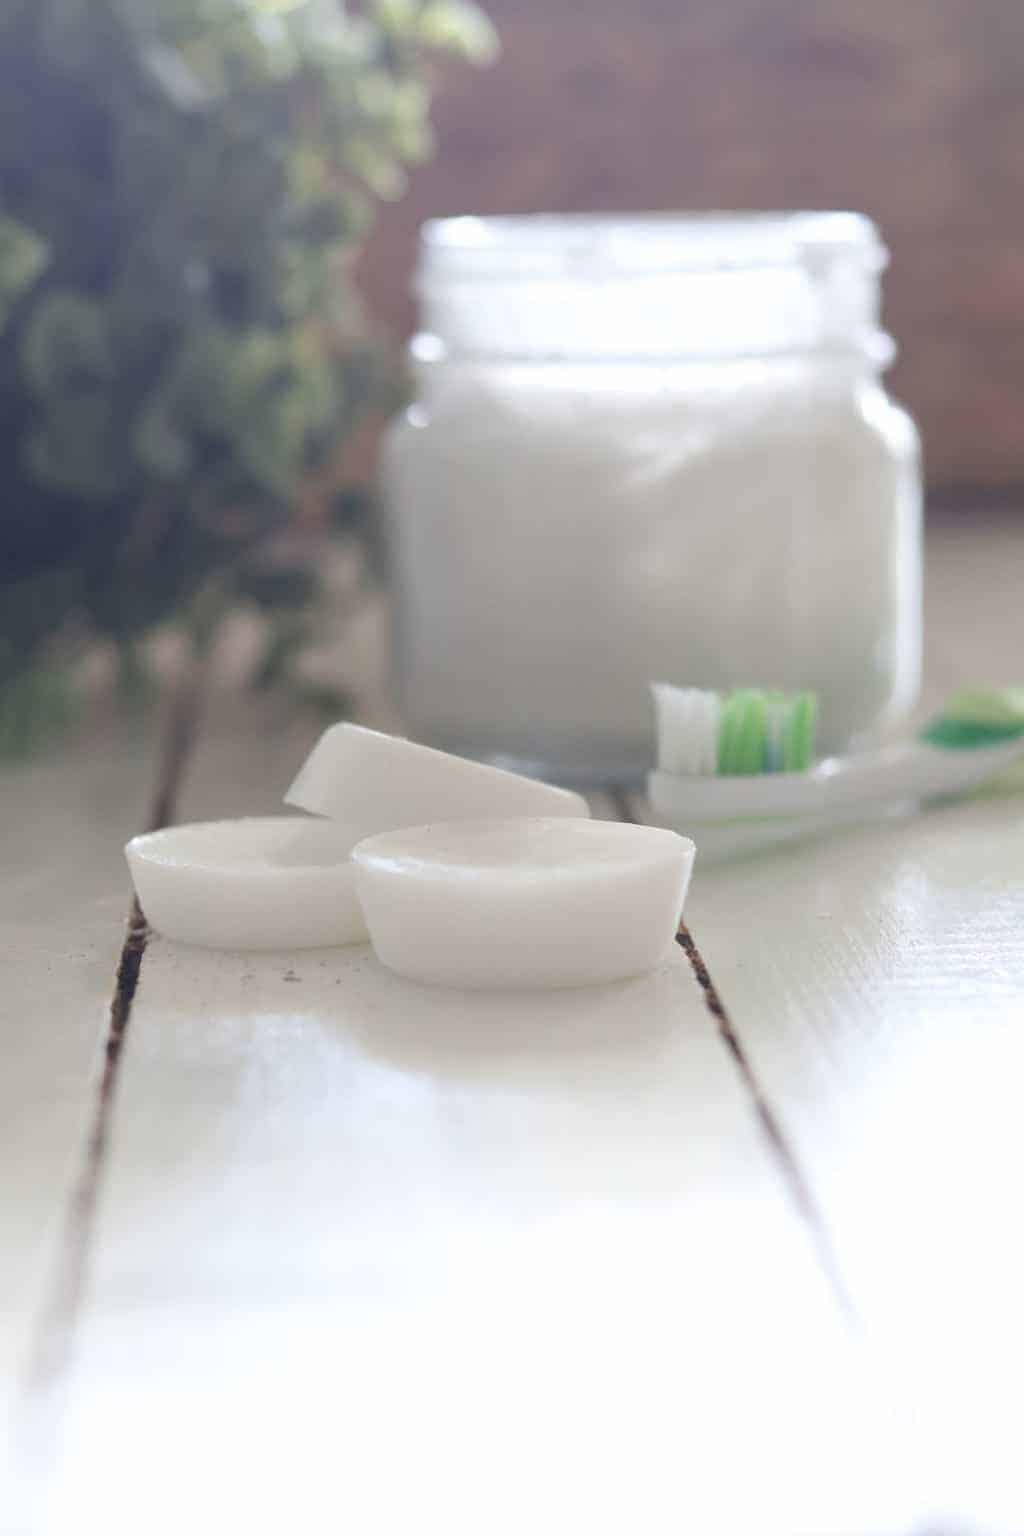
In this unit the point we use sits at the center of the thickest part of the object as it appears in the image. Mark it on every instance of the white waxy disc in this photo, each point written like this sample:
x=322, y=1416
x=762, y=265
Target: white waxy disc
x=268, y=882
x=376, y=782
x=534, y=902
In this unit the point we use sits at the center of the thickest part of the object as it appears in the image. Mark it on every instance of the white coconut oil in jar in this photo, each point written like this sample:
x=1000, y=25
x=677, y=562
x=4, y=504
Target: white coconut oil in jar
x=649, y=448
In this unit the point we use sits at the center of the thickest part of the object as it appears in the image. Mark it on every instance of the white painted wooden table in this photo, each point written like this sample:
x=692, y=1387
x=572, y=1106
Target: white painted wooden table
x=289, y=1245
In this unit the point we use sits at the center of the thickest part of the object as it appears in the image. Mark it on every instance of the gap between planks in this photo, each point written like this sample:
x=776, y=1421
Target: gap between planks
x=793, y=1177
x=53, y=1339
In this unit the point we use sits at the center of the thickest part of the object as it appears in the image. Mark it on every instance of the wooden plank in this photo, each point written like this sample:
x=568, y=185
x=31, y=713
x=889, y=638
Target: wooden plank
x=63, y=904
x=381, y=1258
x=876, y=982
x=159, y=1324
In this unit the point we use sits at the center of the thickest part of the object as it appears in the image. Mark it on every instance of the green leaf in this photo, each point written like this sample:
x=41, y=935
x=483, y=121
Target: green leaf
x=186, y=184
x=23, y=257
x=457, y=27
x=36, y=704
x=378, y=169
x=161, y=447
x=65, y=344
x=73, y=448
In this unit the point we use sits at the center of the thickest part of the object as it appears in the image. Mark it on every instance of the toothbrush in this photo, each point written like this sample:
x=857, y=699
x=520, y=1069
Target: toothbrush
x=750, y=754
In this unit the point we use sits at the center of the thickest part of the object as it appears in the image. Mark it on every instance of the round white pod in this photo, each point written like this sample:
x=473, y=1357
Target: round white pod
x=268, y=882
x=376, y=782
x=530, y=902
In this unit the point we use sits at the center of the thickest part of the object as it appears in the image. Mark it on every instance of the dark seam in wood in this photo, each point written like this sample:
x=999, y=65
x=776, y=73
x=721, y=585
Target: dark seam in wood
x=793, y=1174
x=56, y=1326
x=797, y=1185
x=57, y=1323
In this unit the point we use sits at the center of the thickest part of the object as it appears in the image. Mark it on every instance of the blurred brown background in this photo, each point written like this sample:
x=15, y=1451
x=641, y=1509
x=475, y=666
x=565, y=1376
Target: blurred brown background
x=911, y=110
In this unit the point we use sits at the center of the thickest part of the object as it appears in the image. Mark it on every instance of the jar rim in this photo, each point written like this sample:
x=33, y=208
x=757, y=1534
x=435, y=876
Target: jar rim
x=876, y=353
x=471, y=247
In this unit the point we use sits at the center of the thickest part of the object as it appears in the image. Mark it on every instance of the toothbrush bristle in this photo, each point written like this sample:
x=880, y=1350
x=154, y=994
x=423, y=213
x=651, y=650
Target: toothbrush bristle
x=743, y=734
x=978, y=717
x=748, y=731
x=687, y=720
x=798, y=733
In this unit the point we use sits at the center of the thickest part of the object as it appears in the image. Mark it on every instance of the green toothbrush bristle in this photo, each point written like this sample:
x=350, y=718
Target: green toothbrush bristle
x=752, y=747
x=762, y=731
x=798, y=733
x=978, y=717
x=728, y=728
x=742, y=738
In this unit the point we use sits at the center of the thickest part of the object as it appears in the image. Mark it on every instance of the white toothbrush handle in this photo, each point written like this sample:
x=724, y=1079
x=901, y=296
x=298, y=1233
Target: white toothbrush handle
x=915, y=770
x=910, y=771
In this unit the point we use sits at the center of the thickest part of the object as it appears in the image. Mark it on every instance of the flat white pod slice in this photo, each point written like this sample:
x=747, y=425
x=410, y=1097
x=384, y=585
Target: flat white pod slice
x=376, y=782
x=529, y=902
x=266, y=882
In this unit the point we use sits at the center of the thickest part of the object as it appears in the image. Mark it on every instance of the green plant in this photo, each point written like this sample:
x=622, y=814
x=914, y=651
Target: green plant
x=183, y=186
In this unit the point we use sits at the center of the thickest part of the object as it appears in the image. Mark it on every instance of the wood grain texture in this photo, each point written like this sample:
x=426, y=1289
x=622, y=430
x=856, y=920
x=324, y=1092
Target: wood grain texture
x=364, y=1251
x=911, y=112
x=876, y=979
x=64, y=900
x=368, y=1253
x=337, y=1211
x=378, y=1257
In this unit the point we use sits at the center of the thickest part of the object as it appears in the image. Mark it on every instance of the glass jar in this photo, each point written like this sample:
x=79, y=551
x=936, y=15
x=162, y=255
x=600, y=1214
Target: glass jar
x=649, y=448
